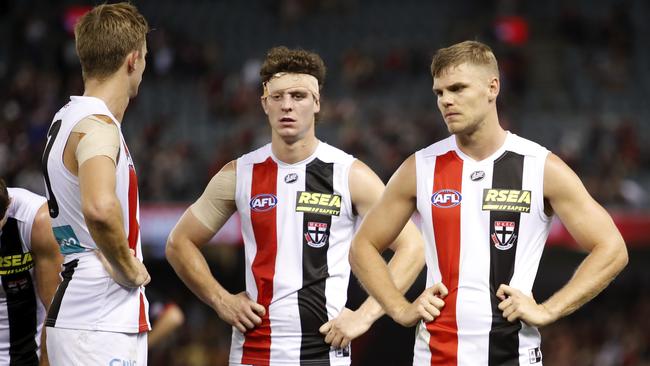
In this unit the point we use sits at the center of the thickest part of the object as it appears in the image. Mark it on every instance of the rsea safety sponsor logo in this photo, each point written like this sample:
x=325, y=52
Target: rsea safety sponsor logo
x=512, y=200
x=10, y=264
x=263, y=202
x=446, y=198
x=318, y=203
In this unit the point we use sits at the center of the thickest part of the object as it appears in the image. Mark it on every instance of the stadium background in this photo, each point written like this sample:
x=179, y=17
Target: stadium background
x=575, y=77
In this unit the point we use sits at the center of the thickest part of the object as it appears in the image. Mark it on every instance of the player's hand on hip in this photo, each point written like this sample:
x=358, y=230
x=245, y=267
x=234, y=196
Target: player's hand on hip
x=426, y=307
x=240, y=311
x=517, y=306
x=138, y=274
x=340, y=331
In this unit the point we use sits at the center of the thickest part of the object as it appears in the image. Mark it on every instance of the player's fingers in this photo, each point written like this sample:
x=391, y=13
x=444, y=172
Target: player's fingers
x=503, y=292
x=336, y=341
x=441, y=290
x=250, y=315
x=240, y=327
x=505, y=303
x=345, y=342
x=329, y=337
x=438, y=303
x=259, y=309
x=325, y=327
x=245, y=320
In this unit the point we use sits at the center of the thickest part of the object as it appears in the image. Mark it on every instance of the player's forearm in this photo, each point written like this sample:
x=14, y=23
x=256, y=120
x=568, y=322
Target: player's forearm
x=47, y=275
x=597, y=270
x=190, y=265
x=370, y=268
x=105, y=224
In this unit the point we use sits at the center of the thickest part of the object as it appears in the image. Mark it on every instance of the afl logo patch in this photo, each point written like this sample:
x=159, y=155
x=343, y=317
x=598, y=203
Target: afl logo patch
x=477, y=175
x=263, y=202
x=290, y=178
x=446, y=198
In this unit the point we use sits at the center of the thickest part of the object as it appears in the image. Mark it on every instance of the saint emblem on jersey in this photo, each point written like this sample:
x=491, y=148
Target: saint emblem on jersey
x=446, y=198
x=504, y=236
x=316, y=234
x=263, y=202
x=290, y=178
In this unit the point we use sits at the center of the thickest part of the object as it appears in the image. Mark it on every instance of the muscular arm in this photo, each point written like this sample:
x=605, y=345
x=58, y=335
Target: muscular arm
x=103, y=215
x=196, y=227
x=48, y=260
x=407, y=262
x=380, y=228
x=593, y=229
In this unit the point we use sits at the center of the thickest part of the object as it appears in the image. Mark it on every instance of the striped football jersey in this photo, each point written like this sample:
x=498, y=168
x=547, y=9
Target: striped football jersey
x=297, y=224
x=484, y=225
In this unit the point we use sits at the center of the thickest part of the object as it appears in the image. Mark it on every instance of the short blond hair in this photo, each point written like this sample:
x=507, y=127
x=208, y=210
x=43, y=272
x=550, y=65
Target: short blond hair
x=471, y=52
x=106, y=35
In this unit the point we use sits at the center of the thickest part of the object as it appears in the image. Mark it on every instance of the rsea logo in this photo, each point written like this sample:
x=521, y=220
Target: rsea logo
x=263, y=202
x=318, y=203
x=446, y=198
x=10, y=264
x=512, y=200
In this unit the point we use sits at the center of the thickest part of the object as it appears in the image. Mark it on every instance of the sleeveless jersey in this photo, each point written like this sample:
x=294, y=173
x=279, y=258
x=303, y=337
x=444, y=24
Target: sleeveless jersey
x=21, y=310
x=297, y=225
x=88, y=298
x=484, y=225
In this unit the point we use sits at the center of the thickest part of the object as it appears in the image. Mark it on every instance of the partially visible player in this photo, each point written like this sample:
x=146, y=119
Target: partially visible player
x=29, y=273
x=299, y=200
x=99, y=315
x=166, y=317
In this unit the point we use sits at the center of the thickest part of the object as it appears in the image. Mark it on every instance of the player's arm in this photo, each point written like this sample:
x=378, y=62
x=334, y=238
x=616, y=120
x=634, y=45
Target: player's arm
x=96, y=155
x=47, y=264
x=593, y=229
x=366, y=189
x=169, y=320
x=381, y=227
x=195, y=228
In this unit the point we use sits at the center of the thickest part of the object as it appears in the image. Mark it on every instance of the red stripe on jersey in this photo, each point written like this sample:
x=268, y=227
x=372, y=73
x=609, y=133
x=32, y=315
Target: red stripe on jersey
x=134, y=226
x=144, y=326
x=443, y=342
x=257, y=345
x=134, y=232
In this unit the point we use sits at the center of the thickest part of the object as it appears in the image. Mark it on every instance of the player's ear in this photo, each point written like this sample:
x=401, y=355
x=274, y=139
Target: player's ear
x=263, y=101
x=316, y=105
x=494, y=87
x=132, y=59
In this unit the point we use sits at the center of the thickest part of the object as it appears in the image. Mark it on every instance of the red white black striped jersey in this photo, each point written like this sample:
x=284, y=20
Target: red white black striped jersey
x=88, y=298
x=21, y=311
x=484, y=225
x=297, y=224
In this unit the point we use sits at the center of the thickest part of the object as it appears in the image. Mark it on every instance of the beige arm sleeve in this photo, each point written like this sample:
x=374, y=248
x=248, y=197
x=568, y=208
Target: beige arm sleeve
x=217, y=203
x=100, y=138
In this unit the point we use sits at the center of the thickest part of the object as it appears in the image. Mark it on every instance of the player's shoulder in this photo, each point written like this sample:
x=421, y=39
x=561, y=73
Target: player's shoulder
x=24, y=204
x=525, y=146
x=331, y=154
x=256, y=156
x=437, y=148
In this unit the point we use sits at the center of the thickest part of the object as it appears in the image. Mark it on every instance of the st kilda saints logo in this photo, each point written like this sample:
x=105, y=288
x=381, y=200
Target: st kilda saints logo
x=504, y=236
x=316, y=235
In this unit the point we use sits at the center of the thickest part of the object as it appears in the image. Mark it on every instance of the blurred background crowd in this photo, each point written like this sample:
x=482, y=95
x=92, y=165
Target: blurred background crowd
x=575, y=78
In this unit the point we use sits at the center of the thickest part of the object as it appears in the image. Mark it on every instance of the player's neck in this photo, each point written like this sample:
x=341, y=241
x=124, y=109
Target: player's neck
x=484, y=141
x=112, y=91
x=293, y=152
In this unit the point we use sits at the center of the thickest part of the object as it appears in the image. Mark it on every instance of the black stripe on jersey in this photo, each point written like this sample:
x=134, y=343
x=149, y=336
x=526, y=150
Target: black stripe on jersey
x=21, y=301
x=315, y=243
x=504, y=336
x=53, y=313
